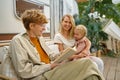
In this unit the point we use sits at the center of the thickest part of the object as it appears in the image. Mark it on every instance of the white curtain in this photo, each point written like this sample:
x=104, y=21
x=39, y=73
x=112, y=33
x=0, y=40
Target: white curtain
x=70, y=7
x=115, y=1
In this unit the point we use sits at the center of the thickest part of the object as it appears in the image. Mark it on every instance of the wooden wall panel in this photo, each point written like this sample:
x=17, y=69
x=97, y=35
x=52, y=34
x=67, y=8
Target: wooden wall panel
x=10, y=36
x=6, y=36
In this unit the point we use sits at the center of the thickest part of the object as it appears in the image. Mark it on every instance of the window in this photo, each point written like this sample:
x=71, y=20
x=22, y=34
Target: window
x=43, y=5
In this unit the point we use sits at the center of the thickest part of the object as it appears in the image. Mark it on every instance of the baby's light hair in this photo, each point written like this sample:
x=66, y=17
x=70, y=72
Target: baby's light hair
x=82, y=29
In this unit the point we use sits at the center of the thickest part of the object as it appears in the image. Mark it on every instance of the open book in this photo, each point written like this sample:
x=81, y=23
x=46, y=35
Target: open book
x=65, y=54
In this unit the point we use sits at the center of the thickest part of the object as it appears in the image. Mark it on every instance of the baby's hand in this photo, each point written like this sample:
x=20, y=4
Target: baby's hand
x=86, y=53
x=73, y=57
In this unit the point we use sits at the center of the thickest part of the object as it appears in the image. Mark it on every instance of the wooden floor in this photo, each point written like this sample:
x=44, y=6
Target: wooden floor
x=111, y=68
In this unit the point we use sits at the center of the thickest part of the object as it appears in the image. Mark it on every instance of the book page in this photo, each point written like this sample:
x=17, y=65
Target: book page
x=65, y=55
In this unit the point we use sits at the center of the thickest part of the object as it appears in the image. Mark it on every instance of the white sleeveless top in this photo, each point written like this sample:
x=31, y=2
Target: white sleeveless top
x=66, y=42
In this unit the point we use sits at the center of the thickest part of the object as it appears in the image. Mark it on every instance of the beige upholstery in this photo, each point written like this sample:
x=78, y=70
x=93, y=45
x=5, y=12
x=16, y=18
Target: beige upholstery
x=2, y=52
x=6, y=65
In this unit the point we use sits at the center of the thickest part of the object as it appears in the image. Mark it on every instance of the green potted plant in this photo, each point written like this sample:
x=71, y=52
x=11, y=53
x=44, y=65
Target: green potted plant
x=94, y=26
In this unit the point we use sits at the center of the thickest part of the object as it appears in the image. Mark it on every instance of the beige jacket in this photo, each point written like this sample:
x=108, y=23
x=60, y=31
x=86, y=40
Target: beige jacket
x=25, y=57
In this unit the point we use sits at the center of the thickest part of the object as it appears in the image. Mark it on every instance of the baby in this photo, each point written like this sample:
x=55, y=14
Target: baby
x=83, y=44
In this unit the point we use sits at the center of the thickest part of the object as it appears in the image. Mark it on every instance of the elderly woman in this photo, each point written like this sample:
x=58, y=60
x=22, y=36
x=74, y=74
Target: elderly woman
x=31, y=58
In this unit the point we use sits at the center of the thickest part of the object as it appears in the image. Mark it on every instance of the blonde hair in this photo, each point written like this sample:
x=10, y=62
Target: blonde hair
x=72, y=24
x=33, y=16
x=82, y=30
